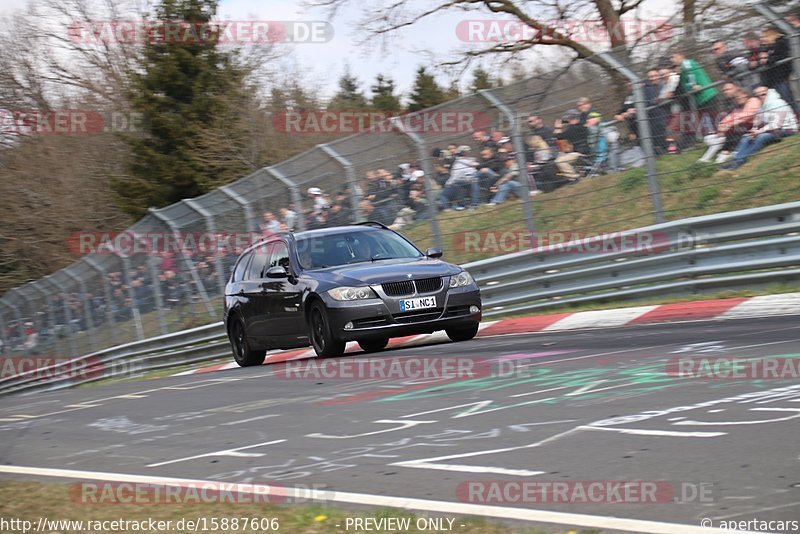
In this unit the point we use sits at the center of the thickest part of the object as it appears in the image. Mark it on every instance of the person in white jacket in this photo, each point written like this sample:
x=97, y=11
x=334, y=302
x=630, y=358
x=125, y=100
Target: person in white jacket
x=774, y=121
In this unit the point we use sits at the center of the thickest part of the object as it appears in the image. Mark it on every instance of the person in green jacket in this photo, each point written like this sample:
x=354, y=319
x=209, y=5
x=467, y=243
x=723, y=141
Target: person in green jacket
x=695, y=78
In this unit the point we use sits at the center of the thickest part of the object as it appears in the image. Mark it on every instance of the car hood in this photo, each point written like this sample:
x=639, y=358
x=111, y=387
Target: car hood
x=382, y=271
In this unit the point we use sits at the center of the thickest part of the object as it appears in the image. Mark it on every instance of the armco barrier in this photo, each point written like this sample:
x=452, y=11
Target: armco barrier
x=727, y=250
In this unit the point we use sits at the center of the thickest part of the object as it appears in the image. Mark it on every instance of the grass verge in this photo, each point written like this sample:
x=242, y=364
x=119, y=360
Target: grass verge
x=54, y=501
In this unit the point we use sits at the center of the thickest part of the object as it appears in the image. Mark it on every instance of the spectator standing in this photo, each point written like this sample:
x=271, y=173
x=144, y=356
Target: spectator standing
x=574, y=143
x=289, y=217
x=270, y=224
x=733, y=66
x=774, y=60
x=693, y=78
x=584, y=108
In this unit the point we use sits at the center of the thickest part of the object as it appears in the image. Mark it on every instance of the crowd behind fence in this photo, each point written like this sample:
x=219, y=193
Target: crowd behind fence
x=732, y=91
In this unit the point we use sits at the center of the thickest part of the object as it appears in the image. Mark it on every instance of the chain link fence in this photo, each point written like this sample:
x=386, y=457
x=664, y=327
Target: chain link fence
x=523, y=180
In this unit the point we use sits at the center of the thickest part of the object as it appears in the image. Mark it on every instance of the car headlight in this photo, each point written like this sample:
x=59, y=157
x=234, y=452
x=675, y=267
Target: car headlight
x=461, y=279
x=351, y=293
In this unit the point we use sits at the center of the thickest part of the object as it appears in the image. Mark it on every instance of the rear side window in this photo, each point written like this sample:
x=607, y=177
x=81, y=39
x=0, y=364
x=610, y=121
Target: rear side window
x=256, y=269
x=241, y=268
x=280, y=256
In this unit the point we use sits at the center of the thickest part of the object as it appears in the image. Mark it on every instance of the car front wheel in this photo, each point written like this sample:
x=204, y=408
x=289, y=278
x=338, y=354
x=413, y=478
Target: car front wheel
x=322, y=339
x=464, y=333
x=242, y=353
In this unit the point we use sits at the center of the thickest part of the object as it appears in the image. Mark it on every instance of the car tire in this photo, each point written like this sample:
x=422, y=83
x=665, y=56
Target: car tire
x=373, y=345
x=320, y=334
x=242, y=353
x=463, y=333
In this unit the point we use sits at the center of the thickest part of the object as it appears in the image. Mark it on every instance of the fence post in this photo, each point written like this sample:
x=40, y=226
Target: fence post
x=16, y=314
x=126, y=276
x=106, y=292
x=5, y=348
x=297, y=198
x=645, y=137
x=67, y=316
x=245, y=204
x=793, y=34
x=51, y=314
x=211, y=226
x=427, y=168
x=87, y=309
x=187, y=261
x=519, y=149
x=352, y=183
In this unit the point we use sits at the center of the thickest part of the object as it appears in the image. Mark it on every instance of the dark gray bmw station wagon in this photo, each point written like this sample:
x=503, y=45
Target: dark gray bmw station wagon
x=323, y=288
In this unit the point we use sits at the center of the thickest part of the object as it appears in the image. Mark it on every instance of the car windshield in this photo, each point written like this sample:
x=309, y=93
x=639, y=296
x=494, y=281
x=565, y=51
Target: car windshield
x=319, y=252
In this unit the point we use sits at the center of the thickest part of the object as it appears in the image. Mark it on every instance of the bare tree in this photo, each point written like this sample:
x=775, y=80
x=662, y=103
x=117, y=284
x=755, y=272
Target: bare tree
x=549, y=21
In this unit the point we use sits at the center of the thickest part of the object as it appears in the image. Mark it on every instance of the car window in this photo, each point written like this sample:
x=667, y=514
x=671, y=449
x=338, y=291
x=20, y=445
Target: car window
x=241, y=268
x=340, y=249
x=280, y=256
x=256, y=269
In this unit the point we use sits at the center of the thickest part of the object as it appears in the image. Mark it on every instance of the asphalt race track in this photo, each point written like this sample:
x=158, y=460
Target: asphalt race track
x=577, y=406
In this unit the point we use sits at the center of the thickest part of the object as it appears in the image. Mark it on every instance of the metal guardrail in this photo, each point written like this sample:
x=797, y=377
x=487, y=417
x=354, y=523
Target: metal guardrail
x=729, y=250
x=725, y=250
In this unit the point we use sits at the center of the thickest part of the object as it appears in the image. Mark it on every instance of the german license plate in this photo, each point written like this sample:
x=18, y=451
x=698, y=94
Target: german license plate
x=417, y=304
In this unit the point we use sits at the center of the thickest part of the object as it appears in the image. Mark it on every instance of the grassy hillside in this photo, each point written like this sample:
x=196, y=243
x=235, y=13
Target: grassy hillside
x=622, y=201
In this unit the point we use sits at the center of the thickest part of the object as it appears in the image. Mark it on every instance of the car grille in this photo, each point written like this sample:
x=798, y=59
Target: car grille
x=398, y=289
x=428, y=285
x=406, y=287
x=418, y=316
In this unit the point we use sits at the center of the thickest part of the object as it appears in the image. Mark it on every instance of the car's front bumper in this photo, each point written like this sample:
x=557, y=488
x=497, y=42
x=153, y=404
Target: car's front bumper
x=381, y=317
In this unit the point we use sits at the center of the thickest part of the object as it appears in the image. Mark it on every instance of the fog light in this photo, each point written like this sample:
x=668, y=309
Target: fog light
x=348, y=326
x=474, y=309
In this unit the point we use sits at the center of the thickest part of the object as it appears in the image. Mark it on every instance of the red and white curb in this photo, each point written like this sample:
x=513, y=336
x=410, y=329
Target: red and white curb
x=721, y=309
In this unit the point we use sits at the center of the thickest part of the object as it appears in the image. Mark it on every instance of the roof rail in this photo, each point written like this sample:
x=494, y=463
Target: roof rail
x=374, y=224
x=280, y=233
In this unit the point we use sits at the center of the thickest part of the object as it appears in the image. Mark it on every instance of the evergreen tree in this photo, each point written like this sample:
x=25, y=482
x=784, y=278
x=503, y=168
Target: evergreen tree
x=182, y=86
x=453, y=92
x=426, y=92
x=480, y=80
x=383, y=97
x=348, y=97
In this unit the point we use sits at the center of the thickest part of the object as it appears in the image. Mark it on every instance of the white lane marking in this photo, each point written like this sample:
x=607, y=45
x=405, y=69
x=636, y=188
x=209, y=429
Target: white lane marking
x=477, y=469
x=429, y=463
x=449, y=507
x=538, y=391
x=759, y=422
x=643, y=432
x=477, y=404
x=228, y=452
x=251, y=419
x=403, y=426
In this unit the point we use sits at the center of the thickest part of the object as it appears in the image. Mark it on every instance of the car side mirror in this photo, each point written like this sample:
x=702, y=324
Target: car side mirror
x=434, y=253
x=277, y=272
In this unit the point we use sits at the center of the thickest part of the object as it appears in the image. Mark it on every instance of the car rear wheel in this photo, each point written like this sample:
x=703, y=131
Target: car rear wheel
x=322, y=339
x=464, y=333
x=373, y=345
x=242, y=353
